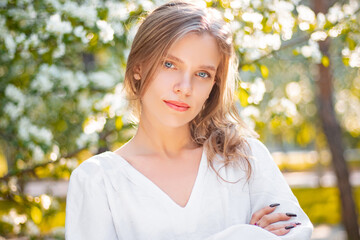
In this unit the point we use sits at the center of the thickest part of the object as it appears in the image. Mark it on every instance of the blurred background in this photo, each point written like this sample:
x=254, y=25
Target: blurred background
x=61, y=101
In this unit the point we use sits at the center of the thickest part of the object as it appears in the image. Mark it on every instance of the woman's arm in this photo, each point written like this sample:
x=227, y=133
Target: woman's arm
x=87, y=211
x=268, y=186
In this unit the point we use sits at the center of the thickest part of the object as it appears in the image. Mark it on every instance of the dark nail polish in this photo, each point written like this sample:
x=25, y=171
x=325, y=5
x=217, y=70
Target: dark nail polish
x=291, y=214
x=289, y=227
x=298, y=223
x=274, y=205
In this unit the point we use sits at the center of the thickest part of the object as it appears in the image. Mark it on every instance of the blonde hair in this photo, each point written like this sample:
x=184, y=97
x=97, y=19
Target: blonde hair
x=218, y=127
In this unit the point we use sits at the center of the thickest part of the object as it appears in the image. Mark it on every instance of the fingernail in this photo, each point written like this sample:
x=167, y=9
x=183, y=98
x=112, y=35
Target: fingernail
x=291, y=214
x=298, y=223
x=289, y=227
x=274, y=205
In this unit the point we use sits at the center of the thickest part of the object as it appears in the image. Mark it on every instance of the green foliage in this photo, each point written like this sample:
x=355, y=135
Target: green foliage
x=322, y=205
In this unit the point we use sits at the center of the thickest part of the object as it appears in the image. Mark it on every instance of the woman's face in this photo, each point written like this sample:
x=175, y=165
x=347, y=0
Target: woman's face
x=183, y=82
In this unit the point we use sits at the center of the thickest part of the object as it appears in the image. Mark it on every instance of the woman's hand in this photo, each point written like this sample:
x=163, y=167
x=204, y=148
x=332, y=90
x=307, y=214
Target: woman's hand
x=264, y=219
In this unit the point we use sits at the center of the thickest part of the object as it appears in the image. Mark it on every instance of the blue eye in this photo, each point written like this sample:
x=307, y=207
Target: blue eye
x=168, y=65
x=203, y=75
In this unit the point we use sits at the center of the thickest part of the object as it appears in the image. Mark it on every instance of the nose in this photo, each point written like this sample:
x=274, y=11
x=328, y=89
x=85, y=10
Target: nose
x=184, y=84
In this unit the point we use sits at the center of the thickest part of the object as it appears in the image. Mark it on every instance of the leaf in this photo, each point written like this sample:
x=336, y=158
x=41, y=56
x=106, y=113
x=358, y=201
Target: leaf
x=325, y=61
x=119, y=123
x=243, y=97
x=264, y=71
x=36, y=214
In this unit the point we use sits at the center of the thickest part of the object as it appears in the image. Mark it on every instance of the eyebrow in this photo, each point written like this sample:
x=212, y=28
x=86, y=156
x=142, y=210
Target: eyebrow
x=208, y=67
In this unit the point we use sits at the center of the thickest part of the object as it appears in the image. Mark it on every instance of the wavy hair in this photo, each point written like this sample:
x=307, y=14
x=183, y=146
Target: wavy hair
x=218, y=127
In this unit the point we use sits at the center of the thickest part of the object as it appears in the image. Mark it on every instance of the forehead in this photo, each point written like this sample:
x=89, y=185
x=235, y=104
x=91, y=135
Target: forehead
x=196, y=48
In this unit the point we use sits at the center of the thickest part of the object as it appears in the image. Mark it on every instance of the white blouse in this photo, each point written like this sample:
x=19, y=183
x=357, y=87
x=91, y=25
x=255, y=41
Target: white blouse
x=109, y=199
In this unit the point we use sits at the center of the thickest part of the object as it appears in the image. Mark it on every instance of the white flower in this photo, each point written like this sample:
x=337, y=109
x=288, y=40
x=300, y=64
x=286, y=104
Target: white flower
x=81, y=79
x=355, y=58
x=87, y=139
x=283, y=105
x=106, y=32
x=68, y=81
x=23, y=128
x=312, y=50
x=319, y=36
x=42, y=135
x=42, y=83
x=306, y=14
x=86, y=12
x=14, y=94
x=10, y=44
x=102, y=80
x=59, y=51
x=81, y=33
x=251, y=111
x=14, y=111
x=20, y=38
x=32, y=228
x=253, y=17
x=117, y=11
x=257, y=90
x=26, y=130
x=118, y=28
x=55, y=25
x=37, y=154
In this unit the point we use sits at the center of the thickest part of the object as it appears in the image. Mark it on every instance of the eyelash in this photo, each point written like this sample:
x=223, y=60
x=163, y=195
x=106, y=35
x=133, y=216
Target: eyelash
x=208, y=75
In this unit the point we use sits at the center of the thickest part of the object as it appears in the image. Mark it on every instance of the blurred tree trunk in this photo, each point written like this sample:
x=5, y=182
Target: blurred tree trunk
x=333, y=134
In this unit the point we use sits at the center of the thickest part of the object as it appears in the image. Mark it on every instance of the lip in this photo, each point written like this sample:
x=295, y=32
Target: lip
x=178, y=106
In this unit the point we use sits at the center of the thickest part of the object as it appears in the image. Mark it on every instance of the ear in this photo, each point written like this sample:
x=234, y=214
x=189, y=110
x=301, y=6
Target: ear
x=137, y=72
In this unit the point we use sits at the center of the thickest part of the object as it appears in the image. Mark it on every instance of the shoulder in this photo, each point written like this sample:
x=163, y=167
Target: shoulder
x=96, y=166
x=260, y=157
x=256, y=147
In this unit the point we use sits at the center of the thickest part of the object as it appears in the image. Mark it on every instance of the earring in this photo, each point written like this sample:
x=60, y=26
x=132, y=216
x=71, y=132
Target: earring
x=137, y=76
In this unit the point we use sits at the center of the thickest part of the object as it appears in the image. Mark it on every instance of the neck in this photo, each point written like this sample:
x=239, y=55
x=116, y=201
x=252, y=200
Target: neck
x=163, y=140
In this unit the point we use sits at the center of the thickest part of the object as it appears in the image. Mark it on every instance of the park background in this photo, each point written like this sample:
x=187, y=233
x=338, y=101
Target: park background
x=61, y=101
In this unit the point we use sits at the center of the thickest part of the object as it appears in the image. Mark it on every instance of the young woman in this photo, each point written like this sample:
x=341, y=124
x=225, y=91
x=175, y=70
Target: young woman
x=192, y=171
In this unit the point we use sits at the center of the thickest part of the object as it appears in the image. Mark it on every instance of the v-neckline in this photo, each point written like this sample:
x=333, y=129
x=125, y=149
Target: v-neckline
x=195, y=188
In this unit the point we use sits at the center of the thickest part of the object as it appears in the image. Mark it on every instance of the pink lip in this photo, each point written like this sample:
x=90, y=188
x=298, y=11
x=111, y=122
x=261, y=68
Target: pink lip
x=178, y=106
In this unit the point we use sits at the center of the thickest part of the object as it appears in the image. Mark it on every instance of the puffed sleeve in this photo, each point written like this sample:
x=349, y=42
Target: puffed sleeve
x=88, y=214
x=267, y=185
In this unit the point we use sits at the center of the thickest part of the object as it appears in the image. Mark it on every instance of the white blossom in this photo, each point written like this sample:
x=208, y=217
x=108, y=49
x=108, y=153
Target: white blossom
x=87, y=139
x=102, y=80
x=55, y=25
x=106, y=32
x=10, y=44
x=283, y=105
x=85, y=12
x=283, y=11
x=37, y=153
x=59, y=51
x=253, y=17
x=13, y=110
x=27, y=130
x=14, y=219
x=312, y=50
x=42, y=83
x=354, y=56
x=13, y=93
x=81, y=33
x=3, y=3
x=319, y=36
x=257, y=90
x=117, y=11
x=118, y=28
x=306, y=14
x=32, y=228
x=335, y=13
